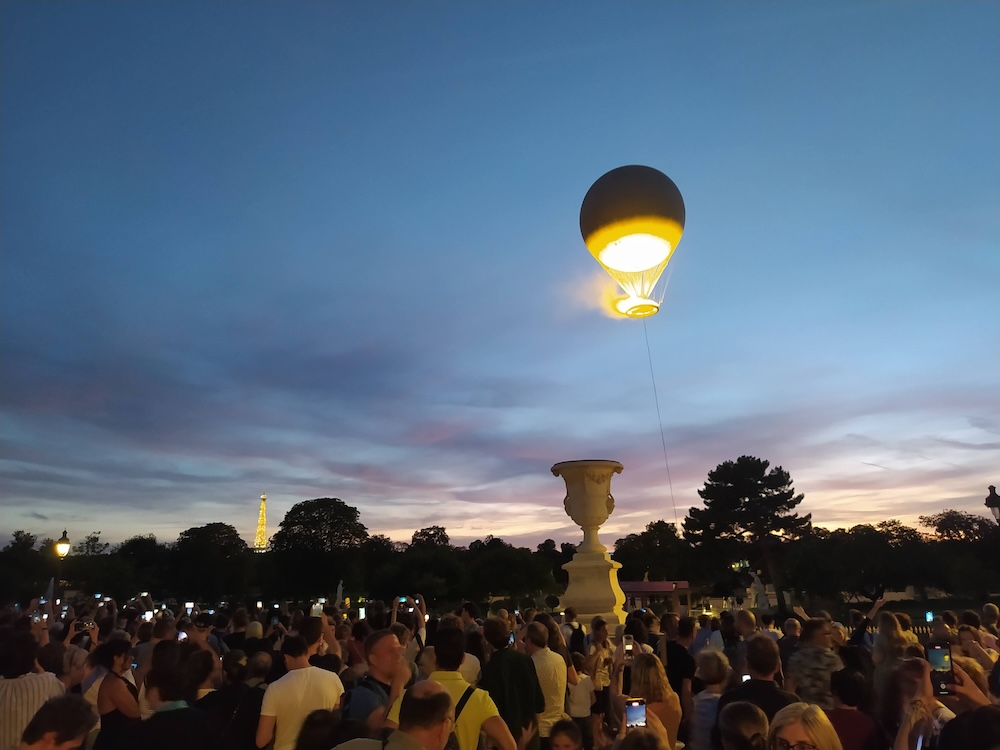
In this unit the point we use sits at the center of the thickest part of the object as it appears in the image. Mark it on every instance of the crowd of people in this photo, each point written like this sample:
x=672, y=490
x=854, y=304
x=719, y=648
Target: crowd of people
x=238, y=678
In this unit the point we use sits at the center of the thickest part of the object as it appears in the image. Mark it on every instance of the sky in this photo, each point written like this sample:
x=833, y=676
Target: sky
x=333, y=250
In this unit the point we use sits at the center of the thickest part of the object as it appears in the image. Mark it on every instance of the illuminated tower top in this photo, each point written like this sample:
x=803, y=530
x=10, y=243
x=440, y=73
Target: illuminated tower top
x=260, y=540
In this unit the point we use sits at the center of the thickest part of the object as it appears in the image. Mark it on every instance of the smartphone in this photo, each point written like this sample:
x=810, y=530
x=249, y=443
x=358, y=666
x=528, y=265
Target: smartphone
x=427, y=618
x=135, y=664
x=274, y=620
x=628, y=644
x=45, y=616
x=260, y=605
x=97, y=596
x=929, y=616
x=181, y=635
x=144, y=594
x=361, y=613
x=43, y=600
x=276, y=606
x=188, y=610
x=510, y=640
x=635, y=713
x=942, y=673
x=316, y=611
x=189, y=606
x=746, y=677
x=322, y=600
x=402, y=600
x=147, y=615
x=106, y=598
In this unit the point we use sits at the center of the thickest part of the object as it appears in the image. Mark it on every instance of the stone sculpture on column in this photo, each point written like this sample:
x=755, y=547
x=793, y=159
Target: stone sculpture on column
x=593, y=576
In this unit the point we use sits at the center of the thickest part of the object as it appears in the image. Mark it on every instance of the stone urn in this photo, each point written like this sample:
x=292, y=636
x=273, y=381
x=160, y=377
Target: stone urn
x=593, y=576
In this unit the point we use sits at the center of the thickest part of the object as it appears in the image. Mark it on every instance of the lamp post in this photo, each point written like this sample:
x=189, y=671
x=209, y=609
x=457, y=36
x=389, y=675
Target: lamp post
x=62, y=549
x=993, y=503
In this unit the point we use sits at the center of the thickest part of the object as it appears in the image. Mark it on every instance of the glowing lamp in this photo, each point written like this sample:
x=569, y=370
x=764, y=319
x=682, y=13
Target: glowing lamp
x=62, y=546
x=631, y=220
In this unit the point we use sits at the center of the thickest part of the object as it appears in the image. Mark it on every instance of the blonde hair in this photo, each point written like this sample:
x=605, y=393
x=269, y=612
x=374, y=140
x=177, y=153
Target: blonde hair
x=812, y=719
x=649, y=680
x=713, y=666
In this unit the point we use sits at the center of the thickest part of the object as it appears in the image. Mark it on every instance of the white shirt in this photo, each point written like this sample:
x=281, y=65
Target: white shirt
x=579, y=698
x=20, y=698
x=470, y=669
x=551, y=671
x=292, y=698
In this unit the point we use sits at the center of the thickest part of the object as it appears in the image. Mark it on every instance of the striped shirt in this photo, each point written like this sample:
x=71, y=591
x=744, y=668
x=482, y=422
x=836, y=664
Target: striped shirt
x=20, y=698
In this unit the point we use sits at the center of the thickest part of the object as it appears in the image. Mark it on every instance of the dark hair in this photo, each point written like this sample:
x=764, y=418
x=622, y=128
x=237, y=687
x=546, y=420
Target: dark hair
x=978, y=729
x=569, y=614
x=743, y=725
x=637, y=630
x=763, y=655
x=537, y=634
x=449, y=648
x=294, y=646
x=904, y=620
x=106, y=653
x=569, y=728
x=52, y=657
x=424, y=711
x=767, y=620
x=848, y=686
x=311, y=630
x=470, y=608
x=199, y=667
x=950, y=618
x=555, y=640
x=162, y=628
x=240, y=618
x=234, y=666
x=144, y=632
x=703, y=620
x=579, y=662
x=21, y=652
x=317, y=730
x=496, y=632
x=811, y=627
x=69, y=716
x=971, y=617
x=170, y=674
x=475, y=644
x=376, y=638
x=360, y=631
x=685, y=627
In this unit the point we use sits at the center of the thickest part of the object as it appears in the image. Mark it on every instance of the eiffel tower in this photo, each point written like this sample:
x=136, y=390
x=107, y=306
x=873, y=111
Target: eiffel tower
x=260, y=540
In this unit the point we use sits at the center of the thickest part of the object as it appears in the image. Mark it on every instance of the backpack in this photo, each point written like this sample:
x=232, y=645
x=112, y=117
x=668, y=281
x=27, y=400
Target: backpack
x=578, y=640
x=452, y=743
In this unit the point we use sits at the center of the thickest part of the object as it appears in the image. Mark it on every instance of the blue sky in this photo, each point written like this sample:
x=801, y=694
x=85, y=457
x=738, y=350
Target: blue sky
x=332, y=249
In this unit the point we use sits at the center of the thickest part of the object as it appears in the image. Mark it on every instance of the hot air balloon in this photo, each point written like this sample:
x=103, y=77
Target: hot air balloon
x=631, y=220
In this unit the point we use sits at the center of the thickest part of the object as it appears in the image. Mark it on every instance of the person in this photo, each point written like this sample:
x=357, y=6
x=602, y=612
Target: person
x=859, y=626
x=171, y=687
x=599, y=668
x=813, y=662
x=318, y=731
x=469, y=614
x=426, y=721
x=117, y=698
x=23, y=690
x=679, y=664
x=566, y=735
x=978, y=729
x=704, y=634
x=802, y=725
x=570, y=626
x=510, y=679
x=581, y=697
x=163, y=629
x=990, y=619
x=856, y=729
x=370, y=699
x=223, y=705
x=60, y=723
x=712, y=668
x=551, y=671
x=649, y=682
x=290, y=699
x=762, y=664
x=768, y=628
x=909, y=706
x=789, y=641
x=237, y=637
x=906, y=627
x=971, y=645
x=887, y=651
x=475, y=710
x=742, y=726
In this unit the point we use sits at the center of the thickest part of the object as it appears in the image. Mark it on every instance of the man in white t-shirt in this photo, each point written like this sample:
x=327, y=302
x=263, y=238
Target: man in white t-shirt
x=288, y=701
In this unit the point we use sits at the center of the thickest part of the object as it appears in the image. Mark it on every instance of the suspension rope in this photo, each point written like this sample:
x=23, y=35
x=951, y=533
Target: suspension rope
x=659, y=421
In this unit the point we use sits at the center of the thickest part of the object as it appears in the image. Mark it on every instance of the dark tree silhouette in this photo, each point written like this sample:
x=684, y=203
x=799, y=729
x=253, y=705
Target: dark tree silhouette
x=435, y=536
x=326, y=524
x=748, y=510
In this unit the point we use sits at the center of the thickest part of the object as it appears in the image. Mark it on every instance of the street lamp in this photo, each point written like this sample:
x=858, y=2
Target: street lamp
x=62, y=546
x=993, y=502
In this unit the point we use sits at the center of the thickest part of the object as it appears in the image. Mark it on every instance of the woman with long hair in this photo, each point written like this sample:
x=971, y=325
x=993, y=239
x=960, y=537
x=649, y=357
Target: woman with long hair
x=117, y=698
x=909, y=707
x=802, y=724
x=888, y=648
x=649, y=682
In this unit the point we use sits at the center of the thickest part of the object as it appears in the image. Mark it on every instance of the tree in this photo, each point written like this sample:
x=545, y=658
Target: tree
x=91, y=545
x=21, y=541
x=326, y=524
x=748, y=511
x=210, y=561
x=432, y=535
x=959, y=526
x=658, y=551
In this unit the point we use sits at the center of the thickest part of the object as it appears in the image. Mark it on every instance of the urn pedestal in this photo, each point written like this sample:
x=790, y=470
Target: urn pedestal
x=593, y=576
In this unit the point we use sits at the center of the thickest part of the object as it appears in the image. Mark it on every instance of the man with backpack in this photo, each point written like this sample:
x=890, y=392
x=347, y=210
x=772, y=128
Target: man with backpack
x=475, y=710
x=426, y=721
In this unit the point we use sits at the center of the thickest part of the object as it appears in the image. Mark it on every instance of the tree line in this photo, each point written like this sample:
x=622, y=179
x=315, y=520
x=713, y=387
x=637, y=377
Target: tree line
x=748, y=522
